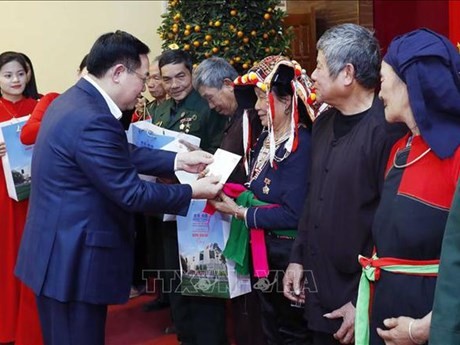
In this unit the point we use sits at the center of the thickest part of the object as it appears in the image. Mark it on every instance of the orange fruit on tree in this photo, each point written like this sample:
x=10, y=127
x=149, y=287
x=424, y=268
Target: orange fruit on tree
x=233, y=12
x=237, y=59
x=267, y=16
x=205, y=43
x=215, y=50
x=187, y=32
x=265, y=36
x=253, y=33
x=245, y=66
x=196, y=43
x=188, y=27
x=197, y=28
x=187, y=47
x=208, y=37
x=240, y=34
x=175, y=30
x=217, y=24
x=246, y=40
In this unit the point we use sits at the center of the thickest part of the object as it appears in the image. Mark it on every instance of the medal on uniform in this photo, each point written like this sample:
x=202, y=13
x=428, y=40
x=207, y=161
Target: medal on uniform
x=266, y=188
x=182, y=126
x=182, y=114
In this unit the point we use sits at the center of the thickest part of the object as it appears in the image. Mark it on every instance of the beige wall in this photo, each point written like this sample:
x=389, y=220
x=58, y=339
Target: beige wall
x=57, y=34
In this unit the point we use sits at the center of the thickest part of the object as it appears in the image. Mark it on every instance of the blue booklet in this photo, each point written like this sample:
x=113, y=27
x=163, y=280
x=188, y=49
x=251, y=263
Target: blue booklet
x=18, y=158
x=150, y=139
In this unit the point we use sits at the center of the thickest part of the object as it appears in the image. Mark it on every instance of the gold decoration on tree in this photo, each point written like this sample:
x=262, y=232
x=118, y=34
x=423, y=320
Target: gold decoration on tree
x=241, y=31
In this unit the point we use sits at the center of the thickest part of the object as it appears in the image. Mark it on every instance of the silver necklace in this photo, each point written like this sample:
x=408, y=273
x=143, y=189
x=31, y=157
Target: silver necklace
x=415, y=160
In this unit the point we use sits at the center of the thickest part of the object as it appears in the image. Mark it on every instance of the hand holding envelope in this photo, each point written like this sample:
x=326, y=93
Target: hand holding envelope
x=223, y=165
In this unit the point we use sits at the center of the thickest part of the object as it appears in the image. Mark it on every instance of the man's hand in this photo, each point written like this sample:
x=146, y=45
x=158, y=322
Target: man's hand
x=193, y=162
x=293, y=287
x=346, y=332
x=206, y=187
x=188, y=145
x=2, y=149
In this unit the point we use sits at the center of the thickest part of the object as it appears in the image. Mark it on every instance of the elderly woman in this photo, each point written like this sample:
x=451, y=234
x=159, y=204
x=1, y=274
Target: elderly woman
x=421, y=88
x=278, y=177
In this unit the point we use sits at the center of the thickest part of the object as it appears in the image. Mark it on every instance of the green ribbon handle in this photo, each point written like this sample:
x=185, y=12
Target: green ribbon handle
x=364, y=294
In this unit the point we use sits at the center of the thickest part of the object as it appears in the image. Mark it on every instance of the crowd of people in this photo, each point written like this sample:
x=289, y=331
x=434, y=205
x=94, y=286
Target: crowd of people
x=345, y=202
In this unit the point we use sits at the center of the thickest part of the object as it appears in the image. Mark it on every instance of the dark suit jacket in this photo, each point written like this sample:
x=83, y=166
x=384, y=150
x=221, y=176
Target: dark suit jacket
x=78, y=239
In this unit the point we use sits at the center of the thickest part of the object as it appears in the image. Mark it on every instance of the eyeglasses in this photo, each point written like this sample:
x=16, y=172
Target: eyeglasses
x=140, y=76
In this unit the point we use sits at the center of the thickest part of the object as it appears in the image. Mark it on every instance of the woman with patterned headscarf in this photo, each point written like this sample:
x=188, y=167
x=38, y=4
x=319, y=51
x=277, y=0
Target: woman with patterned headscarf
x=421, y=88
x=277, y=187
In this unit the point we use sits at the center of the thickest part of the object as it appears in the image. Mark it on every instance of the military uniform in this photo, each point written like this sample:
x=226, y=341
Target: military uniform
x=192, y=116
x=199, y=321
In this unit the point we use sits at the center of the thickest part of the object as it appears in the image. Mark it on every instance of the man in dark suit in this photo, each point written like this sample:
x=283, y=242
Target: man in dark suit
x=77, y=248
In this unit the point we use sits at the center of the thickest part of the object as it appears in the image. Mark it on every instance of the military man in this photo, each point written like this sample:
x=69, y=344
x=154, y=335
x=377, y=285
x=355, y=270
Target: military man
x=198, y=321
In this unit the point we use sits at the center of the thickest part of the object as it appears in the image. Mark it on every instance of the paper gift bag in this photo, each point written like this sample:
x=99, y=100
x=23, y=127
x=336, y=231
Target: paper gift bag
x=204, y=271
x=17, y=161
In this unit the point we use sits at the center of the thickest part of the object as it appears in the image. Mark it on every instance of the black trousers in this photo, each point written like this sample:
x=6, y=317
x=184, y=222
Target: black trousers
x=282, y=322
x=247, y=325
x=155, y=268
x=198, y=320
x=320, y=338
x=140, y=250
x=71, y=323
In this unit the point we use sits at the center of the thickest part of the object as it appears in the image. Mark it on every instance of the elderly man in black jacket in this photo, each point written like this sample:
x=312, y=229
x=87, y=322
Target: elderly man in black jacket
x=351, y=144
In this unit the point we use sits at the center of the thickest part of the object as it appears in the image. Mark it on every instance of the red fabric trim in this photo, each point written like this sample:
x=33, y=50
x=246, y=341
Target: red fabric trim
x=233, y=190
x=454, y=17
x=296, y=119
x=388, y=261
x=440, y=172
x=271, y=104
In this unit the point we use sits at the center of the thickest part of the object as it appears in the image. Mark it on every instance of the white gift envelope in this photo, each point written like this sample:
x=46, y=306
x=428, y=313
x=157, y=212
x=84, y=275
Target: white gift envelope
x=223, y=165
x=146, y=134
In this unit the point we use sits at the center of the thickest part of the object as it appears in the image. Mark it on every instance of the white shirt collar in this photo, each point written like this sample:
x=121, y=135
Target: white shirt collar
x=116, y=112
